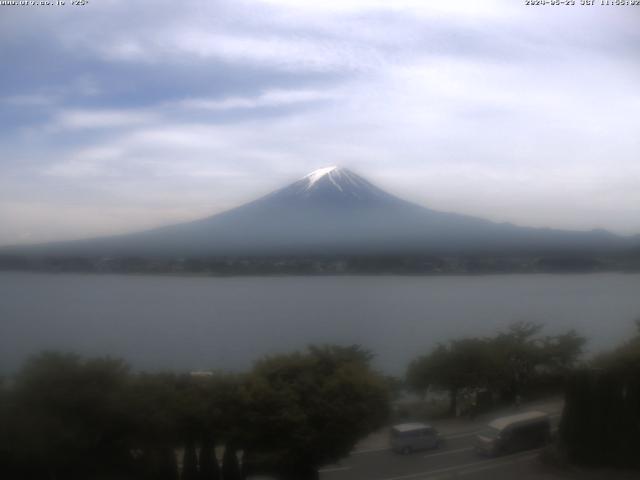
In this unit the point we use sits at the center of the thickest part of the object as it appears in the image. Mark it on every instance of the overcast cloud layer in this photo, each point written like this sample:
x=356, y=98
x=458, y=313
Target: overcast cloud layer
x=120, y=115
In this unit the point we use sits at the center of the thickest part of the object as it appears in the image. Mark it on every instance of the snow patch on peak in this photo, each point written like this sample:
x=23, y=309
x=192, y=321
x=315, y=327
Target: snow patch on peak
x=340, y=180
x=316, y=175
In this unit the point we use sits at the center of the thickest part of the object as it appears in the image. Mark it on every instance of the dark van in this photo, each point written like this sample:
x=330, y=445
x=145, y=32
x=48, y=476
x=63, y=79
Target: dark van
x=514, y=433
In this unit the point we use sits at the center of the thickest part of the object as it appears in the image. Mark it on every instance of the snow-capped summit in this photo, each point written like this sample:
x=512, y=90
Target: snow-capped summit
x=316, y=175
x=332, y=185
x=340, y=178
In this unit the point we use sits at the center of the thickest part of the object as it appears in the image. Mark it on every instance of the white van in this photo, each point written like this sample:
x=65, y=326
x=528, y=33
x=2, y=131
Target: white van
x=410, y=437
x=513, y=433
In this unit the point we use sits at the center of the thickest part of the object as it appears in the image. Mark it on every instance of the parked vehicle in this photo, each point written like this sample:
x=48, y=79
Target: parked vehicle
x=514, y=433
x=410, y=437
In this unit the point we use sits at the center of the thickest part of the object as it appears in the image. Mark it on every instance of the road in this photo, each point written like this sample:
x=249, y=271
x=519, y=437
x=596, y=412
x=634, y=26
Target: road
x=455, y=459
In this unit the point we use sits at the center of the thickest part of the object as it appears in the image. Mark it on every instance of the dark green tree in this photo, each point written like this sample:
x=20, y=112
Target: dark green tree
x=190, y=462
x=625, y=359
x=420, y=376
x=465, y=363
x=608, y=408
x=68, y=419
x=506, y=363
x=560, y=353
x=524, y=356
x=230, y=464
x=224, y=407
x=9, y=464
x=209, y=468
x=155, y=411
x=519, y=352
x=600, y=425
x=164, y=465
x=308, y=409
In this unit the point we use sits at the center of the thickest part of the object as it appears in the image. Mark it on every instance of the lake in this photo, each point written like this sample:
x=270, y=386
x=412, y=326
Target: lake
x=194, y=323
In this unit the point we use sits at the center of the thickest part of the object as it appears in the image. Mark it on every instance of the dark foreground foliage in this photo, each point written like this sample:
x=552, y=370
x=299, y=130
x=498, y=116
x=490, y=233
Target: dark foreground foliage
x=601, y=422
x=64, y=417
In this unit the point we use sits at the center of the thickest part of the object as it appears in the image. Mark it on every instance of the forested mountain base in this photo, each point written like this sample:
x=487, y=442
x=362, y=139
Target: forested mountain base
x=330, y=264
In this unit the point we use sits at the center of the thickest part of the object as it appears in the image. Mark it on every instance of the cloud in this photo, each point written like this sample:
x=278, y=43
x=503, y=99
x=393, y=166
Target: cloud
x=89, y=119
x=30, y=100
x=465, y=8
x=280, y=51
x=271, y=98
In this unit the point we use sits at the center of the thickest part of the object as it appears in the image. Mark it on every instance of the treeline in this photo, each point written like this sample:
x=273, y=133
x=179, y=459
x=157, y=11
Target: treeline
x=518, y=361
x=328, y=264
x=64, y=417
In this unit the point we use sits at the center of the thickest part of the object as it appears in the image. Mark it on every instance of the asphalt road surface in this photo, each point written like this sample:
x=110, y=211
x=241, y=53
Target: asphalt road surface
x=454, y=459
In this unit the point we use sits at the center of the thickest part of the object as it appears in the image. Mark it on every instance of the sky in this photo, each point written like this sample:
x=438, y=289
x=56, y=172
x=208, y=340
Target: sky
x=119, y=116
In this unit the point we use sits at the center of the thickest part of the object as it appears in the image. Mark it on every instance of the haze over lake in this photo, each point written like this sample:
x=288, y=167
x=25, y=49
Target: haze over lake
x=192, y=323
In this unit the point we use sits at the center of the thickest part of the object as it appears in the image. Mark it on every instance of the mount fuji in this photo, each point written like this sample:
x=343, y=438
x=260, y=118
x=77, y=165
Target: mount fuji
x=335, y=211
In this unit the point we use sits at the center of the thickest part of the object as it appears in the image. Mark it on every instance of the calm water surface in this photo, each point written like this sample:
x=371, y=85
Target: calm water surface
x=226, y=323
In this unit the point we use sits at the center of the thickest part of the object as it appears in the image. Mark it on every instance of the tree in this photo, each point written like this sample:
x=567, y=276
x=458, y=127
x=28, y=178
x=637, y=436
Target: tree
x=67, y=418
x=209, y=468
x=505, y=363
x=600, y=424
x=190, y=462
x=224, y=407
x=419, y=376
x=625, y=358
x=465, y=363
x=523, y=355
x=155, y=411
x=163, y=466
x=230, y=465
x=308, y=409
x=518, y=353
x=8, y=461
x=561, y=352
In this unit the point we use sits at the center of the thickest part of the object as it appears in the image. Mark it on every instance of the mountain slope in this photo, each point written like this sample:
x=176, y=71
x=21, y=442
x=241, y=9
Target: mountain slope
x=335, y=211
